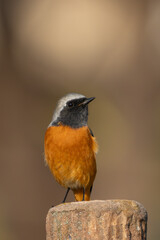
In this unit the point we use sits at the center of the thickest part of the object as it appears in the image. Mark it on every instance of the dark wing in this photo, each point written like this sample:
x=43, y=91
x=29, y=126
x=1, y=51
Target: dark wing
x=91, y=132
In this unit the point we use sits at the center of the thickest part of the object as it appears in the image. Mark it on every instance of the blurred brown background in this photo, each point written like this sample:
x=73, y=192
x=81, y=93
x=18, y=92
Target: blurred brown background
x=107, y=49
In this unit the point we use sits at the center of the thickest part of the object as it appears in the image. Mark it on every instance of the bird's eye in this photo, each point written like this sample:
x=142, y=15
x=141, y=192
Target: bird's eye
x=70, y=104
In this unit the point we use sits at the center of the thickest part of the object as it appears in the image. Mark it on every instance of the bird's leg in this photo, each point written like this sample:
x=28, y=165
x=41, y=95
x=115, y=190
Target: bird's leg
x=66, y=195
x=83, y=193
x=91, y=188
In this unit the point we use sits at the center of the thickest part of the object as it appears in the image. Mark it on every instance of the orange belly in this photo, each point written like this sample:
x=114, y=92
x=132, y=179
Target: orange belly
x=70, y=155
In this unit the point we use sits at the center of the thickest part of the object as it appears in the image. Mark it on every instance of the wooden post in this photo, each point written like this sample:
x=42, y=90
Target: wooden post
x=97, y=220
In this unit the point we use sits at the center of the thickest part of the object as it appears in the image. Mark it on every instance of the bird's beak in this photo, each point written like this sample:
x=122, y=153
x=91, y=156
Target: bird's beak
x=88, y=100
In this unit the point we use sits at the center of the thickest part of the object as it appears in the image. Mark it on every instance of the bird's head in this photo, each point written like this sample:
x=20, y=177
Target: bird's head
x=72, y=110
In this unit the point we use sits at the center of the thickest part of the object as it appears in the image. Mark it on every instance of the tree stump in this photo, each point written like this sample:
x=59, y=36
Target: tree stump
x=110, y=220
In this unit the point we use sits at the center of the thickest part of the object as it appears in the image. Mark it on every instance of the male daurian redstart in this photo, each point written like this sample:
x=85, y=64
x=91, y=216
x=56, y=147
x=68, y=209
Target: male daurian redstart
x=70, y=146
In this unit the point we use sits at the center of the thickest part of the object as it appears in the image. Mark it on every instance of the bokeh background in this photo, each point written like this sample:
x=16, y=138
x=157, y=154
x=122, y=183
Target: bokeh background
x=107, y=49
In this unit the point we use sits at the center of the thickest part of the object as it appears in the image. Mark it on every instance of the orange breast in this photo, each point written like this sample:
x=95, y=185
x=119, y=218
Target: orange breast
x=70, y=154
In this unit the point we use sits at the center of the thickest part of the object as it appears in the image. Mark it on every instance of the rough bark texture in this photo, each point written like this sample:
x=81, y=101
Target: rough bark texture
x=110, y=219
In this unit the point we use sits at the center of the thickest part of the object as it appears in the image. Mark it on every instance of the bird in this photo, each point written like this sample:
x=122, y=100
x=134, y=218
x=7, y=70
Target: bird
x=70, y=147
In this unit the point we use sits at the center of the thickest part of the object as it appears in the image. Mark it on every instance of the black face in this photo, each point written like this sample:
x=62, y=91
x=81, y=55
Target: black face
x=75, y=113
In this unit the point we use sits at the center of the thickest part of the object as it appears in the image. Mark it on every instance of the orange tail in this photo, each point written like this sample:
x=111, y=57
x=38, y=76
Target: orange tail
x=78, y=194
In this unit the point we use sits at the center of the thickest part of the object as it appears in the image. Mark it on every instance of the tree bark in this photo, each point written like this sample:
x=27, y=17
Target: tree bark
x=110, y=219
